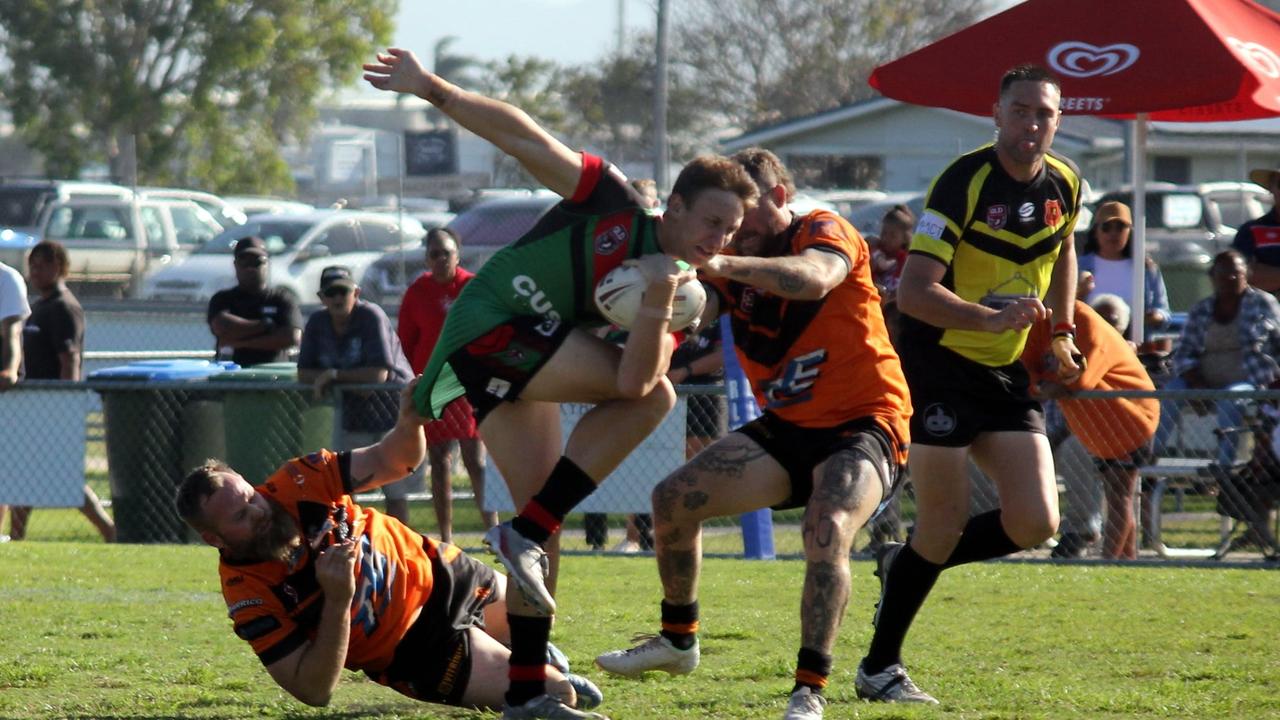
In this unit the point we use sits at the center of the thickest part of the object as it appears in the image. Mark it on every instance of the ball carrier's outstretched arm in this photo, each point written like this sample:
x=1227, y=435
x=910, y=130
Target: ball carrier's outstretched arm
x=506, y=126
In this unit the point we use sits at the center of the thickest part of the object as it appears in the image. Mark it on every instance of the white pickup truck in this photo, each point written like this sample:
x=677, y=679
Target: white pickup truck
x=114, y=243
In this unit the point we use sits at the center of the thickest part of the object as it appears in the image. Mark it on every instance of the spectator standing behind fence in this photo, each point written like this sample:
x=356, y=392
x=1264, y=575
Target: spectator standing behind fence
x=252, y=322
x=1106, y=267
x=52, y=348
x=350, y=341
x=13, y=310
x=422, y=313
x=1117, y=432
x=1259, y=239
x=414, y=614
x=889, y=257
x=993, y=247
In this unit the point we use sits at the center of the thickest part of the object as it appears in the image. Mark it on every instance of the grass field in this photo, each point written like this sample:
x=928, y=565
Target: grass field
x=98, y=631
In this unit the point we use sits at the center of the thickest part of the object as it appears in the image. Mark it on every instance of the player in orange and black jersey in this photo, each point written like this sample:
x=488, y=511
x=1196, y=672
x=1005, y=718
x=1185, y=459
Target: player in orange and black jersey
x=812, y=340
x=314, y=582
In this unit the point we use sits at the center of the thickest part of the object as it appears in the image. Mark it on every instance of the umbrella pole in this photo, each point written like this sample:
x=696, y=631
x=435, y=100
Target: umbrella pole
x=1138, y=177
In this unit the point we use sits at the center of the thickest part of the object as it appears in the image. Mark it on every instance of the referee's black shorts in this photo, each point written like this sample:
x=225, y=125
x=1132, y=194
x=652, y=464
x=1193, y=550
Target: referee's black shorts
x=955, y=399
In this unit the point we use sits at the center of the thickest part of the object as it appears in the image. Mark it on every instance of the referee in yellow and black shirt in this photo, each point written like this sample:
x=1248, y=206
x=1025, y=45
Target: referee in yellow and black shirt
x=991, y=255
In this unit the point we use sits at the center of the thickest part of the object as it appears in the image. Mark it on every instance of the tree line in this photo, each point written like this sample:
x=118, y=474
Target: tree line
x=210, y=90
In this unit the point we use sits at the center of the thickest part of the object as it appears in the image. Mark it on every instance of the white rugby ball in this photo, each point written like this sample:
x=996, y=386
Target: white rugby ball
x=619, y=292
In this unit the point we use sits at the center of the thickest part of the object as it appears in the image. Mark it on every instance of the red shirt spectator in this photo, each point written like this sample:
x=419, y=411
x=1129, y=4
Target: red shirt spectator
x=422, y=313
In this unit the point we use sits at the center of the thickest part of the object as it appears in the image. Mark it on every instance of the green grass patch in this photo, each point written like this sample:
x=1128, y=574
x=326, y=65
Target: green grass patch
x=98, y=631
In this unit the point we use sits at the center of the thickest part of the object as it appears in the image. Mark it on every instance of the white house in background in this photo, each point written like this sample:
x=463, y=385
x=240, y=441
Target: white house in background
x=893, y=146
x=356, y=151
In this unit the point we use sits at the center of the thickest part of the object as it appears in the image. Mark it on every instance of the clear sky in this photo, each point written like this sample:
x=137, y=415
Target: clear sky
x=567, y=31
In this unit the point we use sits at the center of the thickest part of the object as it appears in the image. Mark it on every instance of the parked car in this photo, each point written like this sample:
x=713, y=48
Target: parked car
x=484, y=228
x=1188, y=224
x=114, y=243
x=868, y=217
x=23, y=203
x=847, y=200
x=300, y=246
x=255, y=205
x=803, y=203
x=225, y=213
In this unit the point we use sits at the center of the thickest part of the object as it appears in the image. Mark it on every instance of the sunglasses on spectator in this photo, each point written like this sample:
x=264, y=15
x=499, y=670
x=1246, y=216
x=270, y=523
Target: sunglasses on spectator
x=336, y=291
x=251, y=261
x=1114, y=226
x=437, y=254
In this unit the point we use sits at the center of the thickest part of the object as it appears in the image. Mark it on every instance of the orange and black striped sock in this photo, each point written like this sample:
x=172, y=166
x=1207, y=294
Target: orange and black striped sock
x=680, y=624
x=812, y=669
x=567, y=486
x=527, y=666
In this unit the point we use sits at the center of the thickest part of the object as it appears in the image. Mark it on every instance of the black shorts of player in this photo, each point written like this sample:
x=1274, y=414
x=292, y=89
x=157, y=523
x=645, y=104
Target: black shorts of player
x=706, y=415
x=956, y=399
x=800, y=449
x=1134, y=460
x=496, y=366
x=432, y=662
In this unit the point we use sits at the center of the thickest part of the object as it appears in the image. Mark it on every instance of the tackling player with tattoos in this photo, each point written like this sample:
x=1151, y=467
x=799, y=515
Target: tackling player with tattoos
x=811, y=338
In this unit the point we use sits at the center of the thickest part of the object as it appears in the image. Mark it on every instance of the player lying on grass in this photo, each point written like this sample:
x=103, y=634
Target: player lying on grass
x=315, y=582
x=811, y=338
x=513, y=346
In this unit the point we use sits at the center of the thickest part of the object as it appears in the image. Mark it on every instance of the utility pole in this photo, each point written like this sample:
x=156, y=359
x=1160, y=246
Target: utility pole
x=622, y=27
x=661, y=157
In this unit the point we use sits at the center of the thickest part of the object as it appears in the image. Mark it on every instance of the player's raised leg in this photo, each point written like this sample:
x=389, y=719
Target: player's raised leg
x=524, y=440
x=584, y=369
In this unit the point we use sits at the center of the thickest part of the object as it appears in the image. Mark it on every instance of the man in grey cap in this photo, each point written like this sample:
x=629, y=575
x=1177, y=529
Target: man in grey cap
x=1259, y=239
x=253, y=323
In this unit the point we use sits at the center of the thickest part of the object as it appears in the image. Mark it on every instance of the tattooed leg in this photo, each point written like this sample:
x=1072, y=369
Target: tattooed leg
x=731, y=476
x=846, y=492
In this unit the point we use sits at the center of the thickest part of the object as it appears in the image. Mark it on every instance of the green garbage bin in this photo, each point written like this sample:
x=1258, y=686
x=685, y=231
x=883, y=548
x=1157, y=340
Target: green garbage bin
x=272, y=421
x=154, y=434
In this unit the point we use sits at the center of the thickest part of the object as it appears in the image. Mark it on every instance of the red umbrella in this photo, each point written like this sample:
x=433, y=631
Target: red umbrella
x=1172, y=60
x=1175, y=60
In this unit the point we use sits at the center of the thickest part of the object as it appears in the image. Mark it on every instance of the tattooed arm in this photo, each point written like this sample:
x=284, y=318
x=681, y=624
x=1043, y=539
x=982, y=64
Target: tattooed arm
x=808, y=276
x=397, y=454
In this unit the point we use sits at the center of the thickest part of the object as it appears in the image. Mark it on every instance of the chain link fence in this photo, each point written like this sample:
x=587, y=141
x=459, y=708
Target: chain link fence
x=1204, y=487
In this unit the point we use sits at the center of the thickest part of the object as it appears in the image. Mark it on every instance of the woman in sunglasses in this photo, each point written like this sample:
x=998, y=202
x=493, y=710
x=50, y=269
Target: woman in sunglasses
x=1106, y=266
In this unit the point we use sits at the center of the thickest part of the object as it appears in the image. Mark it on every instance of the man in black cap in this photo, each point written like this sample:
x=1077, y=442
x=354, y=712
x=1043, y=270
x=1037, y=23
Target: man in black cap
x=1259, y=239
x=351, y=341
x=253, y=323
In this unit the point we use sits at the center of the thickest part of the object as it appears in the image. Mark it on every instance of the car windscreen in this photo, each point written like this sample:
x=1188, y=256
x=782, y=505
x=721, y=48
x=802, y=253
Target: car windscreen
x=1167, y=210
x=89, y=222
x=498, y=224
x=868, y=218
x=20, y=207
x=277, y=235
